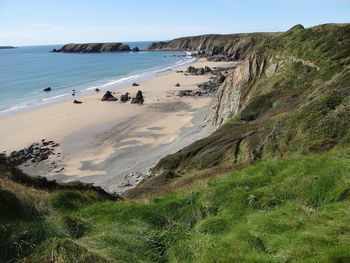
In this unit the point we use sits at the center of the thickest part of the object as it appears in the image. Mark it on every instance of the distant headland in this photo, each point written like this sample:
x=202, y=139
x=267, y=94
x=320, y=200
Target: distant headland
x=7, y=47
x=95, y=48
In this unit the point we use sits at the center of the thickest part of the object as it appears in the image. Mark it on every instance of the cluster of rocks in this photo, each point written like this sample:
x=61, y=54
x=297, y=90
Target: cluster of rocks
x=198, y=71
x=214, y=55
x=213, y=83
x=207, y=88
x=138, y=99
x=37, y=152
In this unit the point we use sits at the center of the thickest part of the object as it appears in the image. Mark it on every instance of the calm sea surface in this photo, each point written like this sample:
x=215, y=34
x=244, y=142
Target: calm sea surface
x=26, y=71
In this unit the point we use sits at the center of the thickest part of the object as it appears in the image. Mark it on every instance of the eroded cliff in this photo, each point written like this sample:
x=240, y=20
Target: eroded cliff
x=235, y=46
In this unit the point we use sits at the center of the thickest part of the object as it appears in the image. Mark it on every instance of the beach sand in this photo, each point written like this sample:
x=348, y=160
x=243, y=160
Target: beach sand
x=113, y=144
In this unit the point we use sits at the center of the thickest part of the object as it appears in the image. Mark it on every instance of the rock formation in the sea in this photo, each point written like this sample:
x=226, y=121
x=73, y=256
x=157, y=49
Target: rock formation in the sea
x=217, y=47
x=93, y=48
x=108, y=97
x=135, y=49
x=47, y=89
x=125, y=97
x=7, y=47
x=138, y=99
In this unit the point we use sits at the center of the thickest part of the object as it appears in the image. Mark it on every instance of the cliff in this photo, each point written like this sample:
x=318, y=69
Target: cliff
x=290, y=96
x=93, y=48
x=235, y=46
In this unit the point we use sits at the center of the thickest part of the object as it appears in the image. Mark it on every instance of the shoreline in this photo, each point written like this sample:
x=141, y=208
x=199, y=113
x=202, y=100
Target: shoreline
x=113, y=144
x=121, y=82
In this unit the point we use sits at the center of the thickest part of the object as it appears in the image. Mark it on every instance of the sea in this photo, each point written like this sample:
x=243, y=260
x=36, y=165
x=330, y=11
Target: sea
x=25, y=71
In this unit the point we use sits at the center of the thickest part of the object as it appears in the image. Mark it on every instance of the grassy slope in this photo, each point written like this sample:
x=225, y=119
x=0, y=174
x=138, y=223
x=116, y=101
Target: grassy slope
x=290, y=210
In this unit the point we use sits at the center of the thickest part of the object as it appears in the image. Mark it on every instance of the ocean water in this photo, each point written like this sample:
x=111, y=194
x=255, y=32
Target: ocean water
x=26, y=71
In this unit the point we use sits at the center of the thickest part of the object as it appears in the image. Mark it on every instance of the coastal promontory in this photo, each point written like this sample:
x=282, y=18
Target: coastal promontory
x=93, y=48
x=6, y=47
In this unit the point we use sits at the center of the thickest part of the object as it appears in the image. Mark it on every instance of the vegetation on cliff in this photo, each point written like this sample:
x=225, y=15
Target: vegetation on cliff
x=93, y=48
x=272, y=184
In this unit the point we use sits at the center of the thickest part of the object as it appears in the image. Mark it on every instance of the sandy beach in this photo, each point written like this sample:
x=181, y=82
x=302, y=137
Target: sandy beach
x=113, y=144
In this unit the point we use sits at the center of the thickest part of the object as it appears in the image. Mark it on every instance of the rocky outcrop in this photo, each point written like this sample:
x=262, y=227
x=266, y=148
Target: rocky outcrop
x=108, y=97
x=138, y=99
x=93, y=48
x=125, y=97
x=222, y=47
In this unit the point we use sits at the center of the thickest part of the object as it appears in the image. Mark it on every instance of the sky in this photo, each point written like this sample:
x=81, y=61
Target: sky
x=44, y=22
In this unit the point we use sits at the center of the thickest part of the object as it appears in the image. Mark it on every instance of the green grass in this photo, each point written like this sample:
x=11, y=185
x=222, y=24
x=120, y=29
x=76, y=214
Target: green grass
x=289, y=210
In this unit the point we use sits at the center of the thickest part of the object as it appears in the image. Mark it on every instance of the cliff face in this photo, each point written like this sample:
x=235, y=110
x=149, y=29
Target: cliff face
x=289, y=96
x=236, y=46
x=93, y=48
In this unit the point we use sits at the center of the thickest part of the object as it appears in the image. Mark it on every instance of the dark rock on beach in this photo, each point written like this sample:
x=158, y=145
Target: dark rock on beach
x=198, y=71
x=108, y=97
x=77, y=102
x=139, y=99
x=135, y=84
x=125, y=98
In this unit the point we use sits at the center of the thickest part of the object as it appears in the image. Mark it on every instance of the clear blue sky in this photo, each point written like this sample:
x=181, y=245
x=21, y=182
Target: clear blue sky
x=31, y=22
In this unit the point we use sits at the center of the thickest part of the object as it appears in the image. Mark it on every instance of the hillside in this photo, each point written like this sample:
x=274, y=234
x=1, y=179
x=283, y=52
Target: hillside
x=289, y=97
x=93, y=48
x=272, y=184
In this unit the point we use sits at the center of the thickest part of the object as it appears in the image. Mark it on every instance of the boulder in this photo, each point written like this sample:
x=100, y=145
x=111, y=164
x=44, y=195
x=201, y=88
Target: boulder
x=77, y=102
x=135, y=84
x=108, y=97
x=125, y=98
x=97, y=90
x=177, y=85
x=139, y=99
